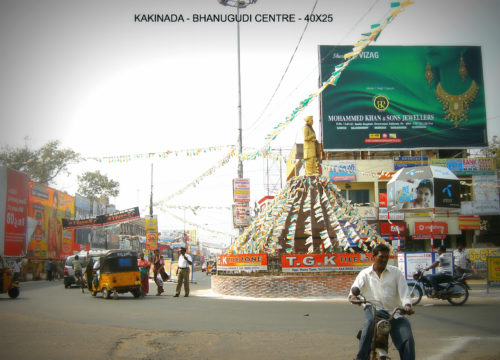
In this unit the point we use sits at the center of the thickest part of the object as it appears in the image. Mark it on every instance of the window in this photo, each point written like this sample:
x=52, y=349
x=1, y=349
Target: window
x=360, y=197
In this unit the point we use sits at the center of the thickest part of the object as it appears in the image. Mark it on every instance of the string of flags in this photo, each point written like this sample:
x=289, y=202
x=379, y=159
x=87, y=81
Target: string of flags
x=308, y=199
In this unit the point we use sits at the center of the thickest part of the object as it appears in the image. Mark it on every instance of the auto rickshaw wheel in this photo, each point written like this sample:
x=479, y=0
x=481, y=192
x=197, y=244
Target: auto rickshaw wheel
x=136, y=293
x=13, y=292
x=94, y=293
x=105, y=293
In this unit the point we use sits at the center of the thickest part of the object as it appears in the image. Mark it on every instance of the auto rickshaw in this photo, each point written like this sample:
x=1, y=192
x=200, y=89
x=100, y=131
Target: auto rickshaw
x=117, y=273
x=7, y=285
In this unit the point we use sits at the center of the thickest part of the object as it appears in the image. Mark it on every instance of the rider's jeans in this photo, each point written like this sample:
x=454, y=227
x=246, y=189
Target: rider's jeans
x=401, y=336
x=436, y=279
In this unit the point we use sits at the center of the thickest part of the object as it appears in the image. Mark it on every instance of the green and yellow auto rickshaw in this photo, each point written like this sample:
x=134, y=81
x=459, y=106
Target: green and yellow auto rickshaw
x=117, y=272
x=7, y=285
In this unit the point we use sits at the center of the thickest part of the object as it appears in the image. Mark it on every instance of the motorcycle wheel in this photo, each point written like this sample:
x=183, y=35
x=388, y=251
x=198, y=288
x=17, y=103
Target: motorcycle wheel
x=415, y=294
x=461, y=290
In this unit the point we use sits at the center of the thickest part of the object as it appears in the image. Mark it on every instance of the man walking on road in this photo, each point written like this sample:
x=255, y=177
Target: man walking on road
x=185, y=261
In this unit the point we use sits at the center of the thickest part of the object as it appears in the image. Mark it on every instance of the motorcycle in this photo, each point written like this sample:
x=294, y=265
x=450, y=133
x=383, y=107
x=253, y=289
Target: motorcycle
x=456, y=291
x=381, y=328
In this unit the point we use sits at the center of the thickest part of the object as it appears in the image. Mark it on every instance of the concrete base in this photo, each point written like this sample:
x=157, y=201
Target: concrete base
x=284, y=286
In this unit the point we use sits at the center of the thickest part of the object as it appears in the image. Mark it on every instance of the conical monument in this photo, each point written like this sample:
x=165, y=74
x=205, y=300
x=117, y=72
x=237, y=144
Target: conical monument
x=309, y=215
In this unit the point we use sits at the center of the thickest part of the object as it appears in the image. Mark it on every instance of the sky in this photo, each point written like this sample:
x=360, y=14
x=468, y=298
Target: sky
x=94, y=76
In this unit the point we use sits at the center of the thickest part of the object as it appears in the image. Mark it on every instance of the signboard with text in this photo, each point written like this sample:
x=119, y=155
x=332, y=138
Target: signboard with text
x=380, y=105
x=325, y=262
x=242, y=262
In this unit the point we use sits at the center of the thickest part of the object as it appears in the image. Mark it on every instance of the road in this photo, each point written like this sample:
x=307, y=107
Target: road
x=50, y=322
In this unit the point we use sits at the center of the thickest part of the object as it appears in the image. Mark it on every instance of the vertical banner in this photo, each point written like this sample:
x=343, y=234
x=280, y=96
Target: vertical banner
x=15, y=213
x=151, y=225
x=46, y=209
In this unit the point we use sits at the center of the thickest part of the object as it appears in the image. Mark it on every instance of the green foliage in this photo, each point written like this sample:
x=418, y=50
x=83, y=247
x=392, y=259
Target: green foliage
x=42, y=165
x=96, y=186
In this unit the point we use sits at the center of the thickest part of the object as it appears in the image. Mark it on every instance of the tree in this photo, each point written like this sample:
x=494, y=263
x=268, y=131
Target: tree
x=96, y=186
x=42, y=165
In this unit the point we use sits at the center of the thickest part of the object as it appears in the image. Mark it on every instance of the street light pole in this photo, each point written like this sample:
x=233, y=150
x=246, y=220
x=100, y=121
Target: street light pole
x=238, y=4
x=240, y=130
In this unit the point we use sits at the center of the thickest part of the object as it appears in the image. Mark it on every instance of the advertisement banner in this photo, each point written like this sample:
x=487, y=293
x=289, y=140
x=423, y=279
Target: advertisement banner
x=325, y=262
x=343, y=170
x=241, y=215
x=151, y=227
x=410, y=161
x=379, y=104
x=494, y=269
x=384, y=214
x=467, y=167
x=395, y=228
x=431, y=227
x=469, y=223
x=102, y=220
x=16, y=211
x=47, y=207
x=241, y=190
x=242, y=262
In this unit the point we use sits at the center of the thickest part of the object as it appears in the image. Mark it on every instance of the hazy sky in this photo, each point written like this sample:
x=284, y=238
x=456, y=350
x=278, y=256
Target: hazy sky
x=86, y=73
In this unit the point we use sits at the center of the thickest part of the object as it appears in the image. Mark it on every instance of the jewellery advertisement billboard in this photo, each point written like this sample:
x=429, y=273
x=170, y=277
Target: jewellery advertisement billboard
x=404, y=97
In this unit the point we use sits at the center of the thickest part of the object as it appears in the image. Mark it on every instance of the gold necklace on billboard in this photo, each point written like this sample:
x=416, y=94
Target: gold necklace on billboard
x=457, y=106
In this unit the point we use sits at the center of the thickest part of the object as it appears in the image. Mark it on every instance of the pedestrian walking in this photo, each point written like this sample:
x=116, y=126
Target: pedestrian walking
x=185, y=261
x=16, y=269
x=158, y=263
x=462, y=261
x=48, y=269
x=144, y=266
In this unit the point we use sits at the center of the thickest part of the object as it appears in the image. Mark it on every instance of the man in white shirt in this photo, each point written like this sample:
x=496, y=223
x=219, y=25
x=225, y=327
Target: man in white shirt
x=443, y=271
x=462, y=260
x=385, y=286
x=185, y=261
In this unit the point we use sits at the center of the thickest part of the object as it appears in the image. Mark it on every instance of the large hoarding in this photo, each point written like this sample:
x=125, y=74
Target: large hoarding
x=13, y=211
x=404, y=97
x=46, y=208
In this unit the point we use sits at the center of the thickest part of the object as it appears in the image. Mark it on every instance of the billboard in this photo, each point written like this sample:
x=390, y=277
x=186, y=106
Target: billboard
x=423, y=188
x=404, y=97
x=46, y=209
x=13, y=211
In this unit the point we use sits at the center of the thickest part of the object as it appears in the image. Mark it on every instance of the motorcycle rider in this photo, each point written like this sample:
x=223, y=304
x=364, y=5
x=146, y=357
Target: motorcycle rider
x=386, y=287
x=77, y=267
x=443, y=271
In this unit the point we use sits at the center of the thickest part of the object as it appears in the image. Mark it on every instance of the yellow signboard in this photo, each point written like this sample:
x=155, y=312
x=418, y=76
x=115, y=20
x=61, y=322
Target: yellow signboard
x=151, y=227
x=494, y=268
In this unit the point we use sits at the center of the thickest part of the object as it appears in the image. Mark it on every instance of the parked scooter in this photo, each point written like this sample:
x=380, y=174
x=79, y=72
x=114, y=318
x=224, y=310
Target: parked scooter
x=456, y=292
x=381, y=329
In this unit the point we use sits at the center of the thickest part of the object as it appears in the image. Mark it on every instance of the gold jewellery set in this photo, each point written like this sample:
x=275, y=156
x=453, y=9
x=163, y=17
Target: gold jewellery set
x=456, y=107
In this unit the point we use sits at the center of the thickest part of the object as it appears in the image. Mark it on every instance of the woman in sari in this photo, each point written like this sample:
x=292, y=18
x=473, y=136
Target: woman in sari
x=144, y=266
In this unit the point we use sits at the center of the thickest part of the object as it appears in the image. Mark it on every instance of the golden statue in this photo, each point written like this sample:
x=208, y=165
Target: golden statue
x=311, y=148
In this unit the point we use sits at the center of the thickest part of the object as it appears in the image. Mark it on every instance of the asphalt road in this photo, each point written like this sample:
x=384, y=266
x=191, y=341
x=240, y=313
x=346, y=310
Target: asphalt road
x=50, y=322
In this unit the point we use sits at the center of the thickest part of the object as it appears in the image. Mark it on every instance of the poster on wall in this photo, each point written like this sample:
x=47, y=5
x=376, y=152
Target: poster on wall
x=47, y=207
x=378, y=104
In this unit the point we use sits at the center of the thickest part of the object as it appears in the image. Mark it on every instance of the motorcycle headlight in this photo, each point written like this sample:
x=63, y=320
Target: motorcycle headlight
x=383, y=327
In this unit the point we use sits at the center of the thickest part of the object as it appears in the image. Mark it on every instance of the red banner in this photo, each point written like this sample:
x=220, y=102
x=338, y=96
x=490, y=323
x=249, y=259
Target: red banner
x=387, y=228
x=325, y=262
x=16, y=211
